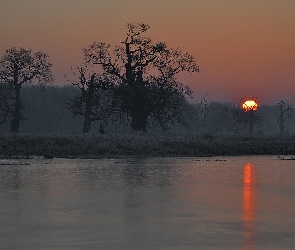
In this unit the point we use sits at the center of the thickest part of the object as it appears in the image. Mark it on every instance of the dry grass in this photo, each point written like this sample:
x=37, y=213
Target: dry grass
x=108, y=146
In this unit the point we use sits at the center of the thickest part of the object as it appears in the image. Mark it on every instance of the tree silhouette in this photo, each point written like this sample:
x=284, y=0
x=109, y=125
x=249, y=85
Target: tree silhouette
x=285, y=113
x=250, y=105
x=238, y=119
x=204, y=111
x=95, y=98
x=19, y=67
x=146, y=74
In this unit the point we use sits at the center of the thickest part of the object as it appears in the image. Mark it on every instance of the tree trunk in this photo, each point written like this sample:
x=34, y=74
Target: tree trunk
x=136, y=95
x=204, y=123
x=251, y=122
x=87, y=124
x=281, y=121
x=87, y=115
x=14, y=126
x=139, y=121
x=138, y=114
x=282, y=128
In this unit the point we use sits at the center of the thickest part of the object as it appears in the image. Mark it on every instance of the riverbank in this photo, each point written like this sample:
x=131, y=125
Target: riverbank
x=110, y=146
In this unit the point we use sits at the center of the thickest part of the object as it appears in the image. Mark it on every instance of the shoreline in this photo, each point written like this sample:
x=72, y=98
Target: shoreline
x=17, y=146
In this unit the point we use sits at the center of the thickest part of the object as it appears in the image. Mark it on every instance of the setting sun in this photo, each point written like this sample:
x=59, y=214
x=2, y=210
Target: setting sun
x=249, y=105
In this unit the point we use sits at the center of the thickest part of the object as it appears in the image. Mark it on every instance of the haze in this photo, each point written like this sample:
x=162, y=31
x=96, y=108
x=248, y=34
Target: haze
x=244, y=47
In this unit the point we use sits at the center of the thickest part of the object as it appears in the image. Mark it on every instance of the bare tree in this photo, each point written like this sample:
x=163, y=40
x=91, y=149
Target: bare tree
x=285, y=113
x=250, y=105
x=143, y=70
x=95, y=98
x=204, y=112
x=238, y=119
x=19, y=67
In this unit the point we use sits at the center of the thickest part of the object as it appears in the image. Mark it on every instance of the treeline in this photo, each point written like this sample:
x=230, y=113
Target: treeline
x=47, y=110
x=137, y=78
x=132, y=87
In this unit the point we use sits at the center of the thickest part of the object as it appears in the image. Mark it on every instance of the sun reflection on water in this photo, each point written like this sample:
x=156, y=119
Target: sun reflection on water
x=249, y=207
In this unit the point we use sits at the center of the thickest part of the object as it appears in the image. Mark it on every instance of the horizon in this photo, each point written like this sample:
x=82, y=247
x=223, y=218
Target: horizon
x=244, y=48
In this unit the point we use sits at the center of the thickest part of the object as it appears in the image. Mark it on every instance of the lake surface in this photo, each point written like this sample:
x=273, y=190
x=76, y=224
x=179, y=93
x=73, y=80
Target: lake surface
x=159, y=203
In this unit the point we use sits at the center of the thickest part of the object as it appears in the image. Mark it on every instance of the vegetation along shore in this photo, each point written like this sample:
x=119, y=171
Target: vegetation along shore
x=110, y=146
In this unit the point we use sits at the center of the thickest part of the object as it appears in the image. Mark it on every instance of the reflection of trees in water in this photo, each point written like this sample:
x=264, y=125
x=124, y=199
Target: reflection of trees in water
x=26, y=179
x=135, y=174
x=143, y=180
x=22, y=189
x=140, y=172
x=249, y=207
x=98, y=176
x=122, y=175
x=11, y=180
x=145, y=195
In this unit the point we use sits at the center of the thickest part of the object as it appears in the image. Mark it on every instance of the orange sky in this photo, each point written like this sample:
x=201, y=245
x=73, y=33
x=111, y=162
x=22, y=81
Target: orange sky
x=244, y=47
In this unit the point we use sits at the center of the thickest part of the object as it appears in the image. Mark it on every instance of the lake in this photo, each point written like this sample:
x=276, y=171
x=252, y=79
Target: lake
x=153, y=203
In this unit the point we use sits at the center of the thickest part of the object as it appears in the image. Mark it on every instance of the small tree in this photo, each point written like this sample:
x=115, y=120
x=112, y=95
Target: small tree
x=95, y=98
x=204, y=112
x=144, y=71
x=19, y=67
x=238, y=119
x=285, y=113
x=250, y=105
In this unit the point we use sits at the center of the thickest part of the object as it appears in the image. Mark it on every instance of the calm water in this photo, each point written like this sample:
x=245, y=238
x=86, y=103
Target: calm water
x=161, y=203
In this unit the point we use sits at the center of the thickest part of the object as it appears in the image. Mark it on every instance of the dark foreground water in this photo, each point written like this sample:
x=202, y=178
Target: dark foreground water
x=161, y=203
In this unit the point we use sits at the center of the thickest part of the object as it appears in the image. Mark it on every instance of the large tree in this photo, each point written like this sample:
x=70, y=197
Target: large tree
x=94, y=100
x=19, y=67
x=146, y=74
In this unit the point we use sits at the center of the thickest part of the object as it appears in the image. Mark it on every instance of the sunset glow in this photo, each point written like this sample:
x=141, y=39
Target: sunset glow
x=250, y=105
x=243, y=47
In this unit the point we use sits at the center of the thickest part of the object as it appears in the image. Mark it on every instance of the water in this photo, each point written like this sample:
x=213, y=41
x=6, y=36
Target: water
x=161, y=203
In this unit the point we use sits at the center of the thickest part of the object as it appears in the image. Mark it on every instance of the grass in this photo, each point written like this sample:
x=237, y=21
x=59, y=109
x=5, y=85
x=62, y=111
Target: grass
x=109, y=146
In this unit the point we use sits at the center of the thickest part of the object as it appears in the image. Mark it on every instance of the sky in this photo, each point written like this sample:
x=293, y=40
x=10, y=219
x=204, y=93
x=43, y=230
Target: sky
x=244, y=47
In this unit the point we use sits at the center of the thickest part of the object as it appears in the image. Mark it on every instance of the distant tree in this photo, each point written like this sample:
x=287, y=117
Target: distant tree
x=19, y=67
x=203, y=108
x=220, y=119
x=238, y=119
x=146, y=74
x=215, y=117
x=232, y=119
x=250, y=106
x=285, y=113
x=95, y=98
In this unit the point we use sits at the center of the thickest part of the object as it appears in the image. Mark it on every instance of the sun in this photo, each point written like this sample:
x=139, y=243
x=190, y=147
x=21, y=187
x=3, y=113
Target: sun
x=250, y=105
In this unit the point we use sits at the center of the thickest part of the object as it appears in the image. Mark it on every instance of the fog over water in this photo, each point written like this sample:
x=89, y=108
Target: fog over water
x=159, y=203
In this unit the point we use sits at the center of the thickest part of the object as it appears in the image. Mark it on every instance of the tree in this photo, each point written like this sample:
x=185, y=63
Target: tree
x=250, y=105
x=94, y=100
x=204, y=112
x=238, y=119
x=145, y=72
x=283, y=115
x=19, y=67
